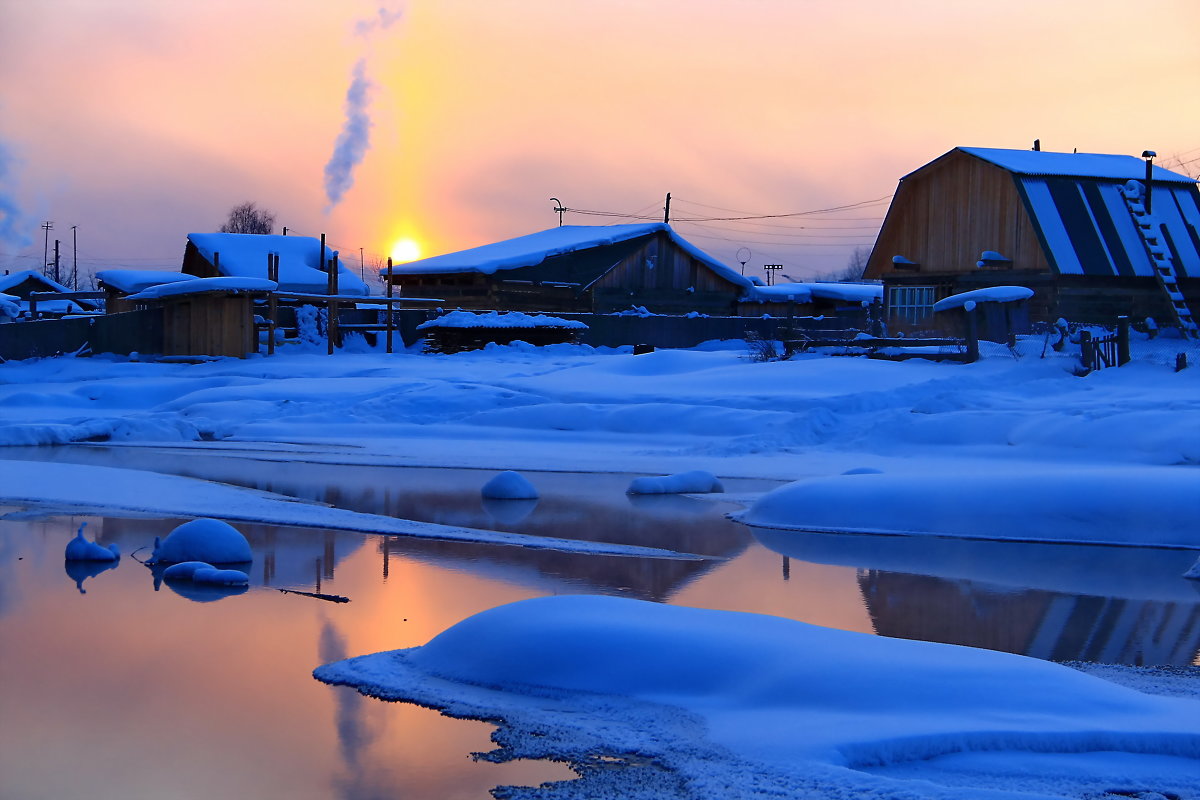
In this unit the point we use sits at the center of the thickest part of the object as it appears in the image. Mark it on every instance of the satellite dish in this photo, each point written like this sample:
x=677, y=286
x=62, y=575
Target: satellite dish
x=743, y=255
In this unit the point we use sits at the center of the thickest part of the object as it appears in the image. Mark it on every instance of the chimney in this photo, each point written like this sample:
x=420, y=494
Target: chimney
x=1149, y=156
x=1037, y=145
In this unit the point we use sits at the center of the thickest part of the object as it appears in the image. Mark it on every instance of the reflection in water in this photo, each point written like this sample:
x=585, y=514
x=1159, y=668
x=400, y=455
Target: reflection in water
x=1116, y=605
x=239, y=672
x=80, y=571
x=509, y=511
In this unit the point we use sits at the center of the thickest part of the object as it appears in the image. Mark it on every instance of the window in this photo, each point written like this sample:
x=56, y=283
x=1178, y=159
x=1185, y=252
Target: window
x=912, y=303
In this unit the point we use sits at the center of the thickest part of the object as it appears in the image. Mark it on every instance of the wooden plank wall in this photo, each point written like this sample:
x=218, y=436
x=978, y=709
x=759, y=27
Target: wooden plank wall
x=947, y=213
x=208, y=325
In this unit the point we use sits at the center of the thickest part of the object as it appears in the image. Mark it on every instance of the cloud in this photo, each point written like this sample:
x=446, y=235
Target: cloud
x=384, y=19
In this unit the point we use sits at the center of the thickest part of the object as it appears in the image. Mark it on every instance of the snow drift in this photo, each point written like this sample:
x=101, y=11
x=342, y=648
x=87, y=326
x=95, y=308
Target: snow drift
x=1155, y=506
x=763, y=703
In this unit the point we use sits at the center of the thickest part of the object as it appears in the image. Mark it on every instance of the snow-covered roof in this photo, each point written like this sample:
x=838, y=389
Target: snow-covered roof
x=494, y=319
x=205, y=285
x=17, y=278
x=1074, y=165
x=244, y=255
x=803, y=292
x=534, y=248
x=135, y=280
x=779, y=293
x=990, y=294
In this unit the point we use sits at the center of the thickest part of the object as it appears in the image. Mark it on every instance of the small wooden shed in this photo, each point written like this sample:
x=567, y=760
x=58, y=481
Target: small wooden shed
x=207, y=316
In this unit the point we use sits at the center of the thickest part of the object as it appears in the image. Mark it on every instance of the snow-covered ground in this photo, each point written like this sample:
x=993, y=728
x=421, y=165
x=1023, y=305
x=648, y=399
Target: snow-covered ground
x=1009, y=447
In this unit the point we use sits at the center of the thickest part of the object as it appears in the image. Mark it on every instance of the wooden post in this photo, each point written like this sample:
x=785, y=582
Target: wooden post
x=32, y=307
x=272, y=302
x=390, y=324
x=1085, y=350
x=1122, y=341
x=331, y=325
x=972, y=336
x=217, y=263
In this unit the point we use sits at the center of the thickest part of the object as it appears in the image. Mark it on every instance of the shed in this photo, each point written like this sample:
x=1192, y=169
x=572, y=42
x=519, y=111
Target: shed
x=245, y=255
x=1077, y=228
x=582, y=268
x=207, y=316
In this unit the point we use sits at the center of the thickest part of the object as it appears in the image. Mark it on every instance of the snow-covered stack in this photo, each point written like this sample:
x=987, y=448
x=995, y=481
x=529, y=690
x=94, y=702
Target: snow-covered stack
x=206, y=540
x=80, y=549
x=203, y=572
x=696, y=481
x=509, y=485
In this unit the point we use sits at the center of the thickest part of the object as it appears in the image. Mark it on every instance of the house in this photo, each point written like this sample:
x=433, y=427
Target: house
x=1083, y=230
x=118, y=284
x=22, y=284
x=580, y=268
x=245, y=255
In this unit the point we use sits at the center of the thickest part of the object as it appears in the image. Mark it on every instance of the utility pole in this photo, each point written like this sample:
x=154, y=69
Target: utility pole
x=57, y=279
x=74, y=259
x=558, y=207
x=362, y=271
x=285, y=230
x=667, y=210
x=47, y=227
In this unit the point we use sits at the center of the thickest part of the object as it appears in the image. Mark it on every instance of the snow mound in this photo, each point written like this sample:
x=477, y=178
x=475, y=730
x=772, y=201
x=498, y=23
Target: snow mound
x=203, y=572
x=863, y=471
x=1133, y=505
x=761, y=704
x=1193, y=571
x=184, y=570
x=80, y=549
x=509, y=485
x=207, y=540
x=696, y=481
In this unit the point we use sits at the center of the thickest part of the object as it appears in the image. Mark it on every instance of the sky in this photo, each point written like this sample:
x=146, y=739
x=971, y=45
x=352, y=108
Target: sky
x=136, y=122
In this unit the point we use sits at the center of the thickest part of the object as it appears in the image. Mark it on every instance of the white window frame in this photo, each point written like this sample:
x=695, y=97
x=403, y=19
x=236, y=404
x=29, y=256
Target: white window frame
x=911, y=303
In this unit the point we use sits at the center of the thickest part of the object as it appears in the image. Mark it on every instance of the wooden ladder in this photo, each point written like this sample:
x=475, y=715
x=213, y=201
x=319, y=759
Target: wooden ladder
x=1150, y=230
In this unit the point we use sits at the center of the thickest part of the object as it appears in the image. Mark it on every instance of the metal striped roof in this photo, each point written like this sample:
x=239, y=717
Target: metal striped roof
x=1103, y=166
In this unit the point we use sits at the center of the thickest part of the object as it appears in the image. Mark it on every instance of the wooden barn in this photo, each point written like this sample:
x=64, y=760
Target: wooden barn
x=1087, y=232
x=580, y=268
x=245, y=255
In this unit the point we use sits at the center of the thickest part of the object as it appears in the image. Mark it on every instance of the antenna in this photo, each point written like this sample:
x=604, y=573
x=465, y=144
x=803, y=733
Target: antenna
x=743, y=255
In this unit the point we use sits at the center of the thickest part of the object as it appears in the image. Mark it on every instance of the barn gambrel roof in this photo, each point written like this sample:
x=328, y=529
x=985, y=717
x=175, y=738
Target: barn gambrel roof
x=1077, y=204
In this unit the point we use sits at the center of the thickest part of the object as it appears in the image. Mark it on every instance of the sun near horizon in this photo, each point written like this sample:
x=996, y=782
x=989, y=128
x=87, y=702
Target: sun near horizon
x=405, y=250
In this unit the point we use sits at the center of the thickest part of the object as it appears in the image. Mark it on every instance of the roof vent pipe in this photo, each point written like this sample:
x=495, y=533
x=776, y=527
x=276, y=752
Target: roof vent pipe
x=1149, y=156
x=1037, y=145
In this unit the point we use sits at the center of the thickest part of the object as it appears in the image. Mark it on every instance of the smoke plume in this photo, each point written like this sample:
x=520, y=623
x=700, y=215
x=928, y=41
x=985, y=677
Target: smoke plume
x=12, y=233
x=355, y=138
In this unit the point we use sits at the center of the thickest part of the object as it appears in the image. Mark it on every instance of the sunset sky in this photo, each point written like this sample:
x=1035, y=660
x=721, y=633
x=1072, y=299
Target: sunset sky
x=140, y=121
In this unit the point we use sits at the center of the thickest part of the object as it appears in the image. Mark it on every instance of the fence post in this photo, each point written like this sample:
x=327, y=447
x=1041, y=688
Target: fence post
x=972, y=337
x=1086, y=353
x=272, y=302
x=390, y=324
x=1122, y=341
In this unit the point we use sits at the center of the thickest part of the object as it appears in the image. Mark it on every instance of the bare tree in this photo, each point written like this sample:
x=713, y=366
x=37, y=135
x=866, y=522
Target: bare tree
x=249, y=218
x=855, y=267
x=1188, y=163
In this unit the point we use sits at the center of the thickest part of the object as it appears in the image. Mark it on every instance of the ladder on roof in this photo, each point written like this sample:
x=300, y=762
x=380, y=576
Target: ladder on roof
x=1150, y=229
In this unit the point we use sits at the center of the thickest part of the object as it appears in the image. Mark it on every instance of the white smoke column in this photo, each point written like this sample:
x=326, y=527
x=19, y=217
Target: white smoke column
x=355, y=137
x=11, y=222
